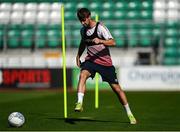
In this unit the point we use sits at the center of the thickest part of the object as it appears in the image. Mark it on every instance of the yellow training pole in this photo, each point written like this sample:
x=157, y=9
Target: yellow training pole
x=96, y=82
x=64, y=62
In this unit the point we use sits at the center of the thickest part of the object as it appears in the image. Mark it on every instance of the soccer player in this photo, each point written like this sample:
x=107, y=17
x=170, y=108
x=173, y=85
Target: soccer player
x=96, y=38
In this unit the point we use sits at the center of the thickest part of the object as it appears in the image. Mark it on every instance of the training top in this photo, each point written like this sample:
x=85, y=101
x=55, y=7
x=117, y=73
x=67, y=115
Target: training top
x=97, y=53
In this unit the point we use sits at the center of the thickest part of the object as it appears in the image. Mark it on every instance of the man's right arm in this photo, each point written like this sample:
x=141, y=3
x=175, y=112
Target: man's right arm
x=81, y=49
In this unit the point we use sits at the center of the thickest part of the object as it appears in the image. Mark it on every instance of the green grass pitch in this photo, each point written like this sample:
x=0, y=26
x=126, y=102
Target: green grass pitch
x=43, y=110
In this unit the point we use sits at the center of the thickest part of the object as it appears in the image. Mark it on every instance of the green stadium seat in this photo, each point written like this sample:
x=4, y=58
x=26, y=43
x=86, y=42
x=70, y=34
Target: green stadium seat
x=171, y=42
x=54, y=38
x=41, y=26
x=172, y=32
x=170, y=52
x=83, y=4
x=76, y=38
x=178, y=43
x=69, y=15
x=94, y=6
x=133, y=15
x=119, y=15
x=27, y=26
x=146, y=14
x=40, y=38
x=106, y=15
x=119, y=37
x=146, y=4
x=157, y=31
x=132, y=41
x=145, y=32
x=171, y=24
x=14, y=26
x=54, y=26
x=70, y=6
x=121, y=5
x=1, y=38
x=107, y=6
x=27, y=38
x=170, y=61
x=13, y=38
x=134, y=5
x=146, y=41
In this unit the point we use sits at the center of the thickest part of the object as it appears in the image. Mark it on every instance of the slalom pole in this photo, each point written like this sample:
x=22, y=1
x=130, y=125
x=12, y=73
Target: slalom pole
x=97, y=80
x=64, y=61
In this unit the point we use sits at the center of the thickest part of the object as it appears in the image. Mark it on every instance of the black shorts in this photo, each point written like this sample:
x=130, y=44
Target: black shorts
x=107, y=73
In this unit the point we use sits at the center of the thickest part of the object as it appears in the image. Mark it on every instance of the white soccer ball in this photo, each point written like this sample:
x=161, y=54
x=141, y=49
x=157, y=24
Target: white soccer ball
x=16, y=119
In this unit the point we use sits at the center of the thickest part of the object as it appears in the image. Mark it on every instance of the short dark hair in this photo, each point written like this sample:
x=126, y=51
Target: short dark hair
x=83, y=13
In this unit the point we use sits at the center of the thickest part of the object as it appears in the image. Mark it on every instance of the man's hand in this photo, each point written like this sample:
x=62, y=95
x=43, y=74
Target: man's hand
x=97, y=40
x=78, y=62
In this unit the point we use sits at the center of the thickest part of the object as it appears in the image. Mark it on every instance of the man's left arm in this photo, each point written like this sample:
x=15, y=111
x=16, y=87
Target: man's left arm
x=110, y=42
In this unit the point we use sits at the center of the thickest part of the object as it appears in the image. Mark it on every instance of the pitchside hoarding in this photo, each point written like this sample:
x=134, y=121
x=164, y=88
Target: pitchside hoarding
x=90, y=84
x=152, y=78
x=33, y=78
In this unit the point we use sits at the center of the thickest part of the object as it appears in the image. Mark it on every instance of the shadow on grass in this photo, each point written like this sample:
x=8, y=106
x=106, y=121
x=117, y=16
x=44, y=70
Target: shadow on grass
x=74, y=120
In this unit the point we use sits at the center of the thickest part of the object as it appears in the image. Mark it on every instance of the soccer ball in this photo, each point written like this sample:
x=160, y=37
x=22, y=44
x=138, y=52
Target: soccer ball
x=16, y=119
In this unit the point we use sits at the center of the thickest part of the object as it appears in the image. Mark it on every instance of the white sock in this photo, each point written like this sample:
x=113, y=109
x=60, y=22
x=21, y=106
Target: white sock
x=80, y=97
x=128, y=110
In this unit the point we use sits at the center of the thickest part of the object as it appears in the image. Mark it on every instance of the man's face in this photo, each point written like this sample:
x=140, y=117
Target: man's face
x=85, y=22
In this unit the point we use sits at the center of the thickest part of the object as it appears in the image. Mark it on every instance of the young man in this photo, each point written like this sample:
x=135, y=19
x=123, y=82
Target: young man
x=96, y=38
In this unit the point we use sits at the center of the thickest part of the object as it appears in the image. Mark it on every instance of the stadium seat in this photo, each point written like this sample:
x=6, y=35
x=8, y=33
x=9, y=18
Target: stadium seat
x=70, y=6
x=134, y=5
x=121, y=5
x=159, y=4
x=159, y=15
x=82, y=5
x=43, y=17
x=170, y=61
x=27, y=26
x=173, y=15
x=53, y=37
x=119, y=37
x=31, y=7
x=133, y=41
x=133, y=15
x=13, y=38
x=173, y=4
x=69, y=15
x=119, y=15
x=44, y=6
x=55, y=17
x=106, y=15
x=5, y=7
x=1, y=37
x=172, y=32
x=54, y=26
x=94, y=6
x=40, y=38
x=147, y=5
x=146, y=14
x=18, y=7
x=56, y=6
x=17, y=17
x=26, y=38
x=4, y=17
x=145, y=37
x=76, y=38
x=108, y=6
x=170, y=52
x=30, y=17
x=171, y=42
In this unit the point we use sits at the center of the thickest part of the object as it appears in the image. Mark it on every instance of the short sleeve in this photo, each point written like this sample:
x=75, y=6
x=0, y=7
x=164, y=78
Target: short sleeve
x=103, y=32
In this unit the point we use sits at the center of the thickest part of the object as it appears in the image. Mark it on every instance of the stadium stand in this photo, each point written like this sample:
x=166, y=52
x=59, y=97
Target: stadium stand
x=133, y=23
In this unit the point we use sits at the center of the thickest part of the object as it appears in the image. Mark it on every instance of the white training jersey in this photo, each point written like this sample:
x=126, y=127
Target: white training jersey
x=102, y=32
